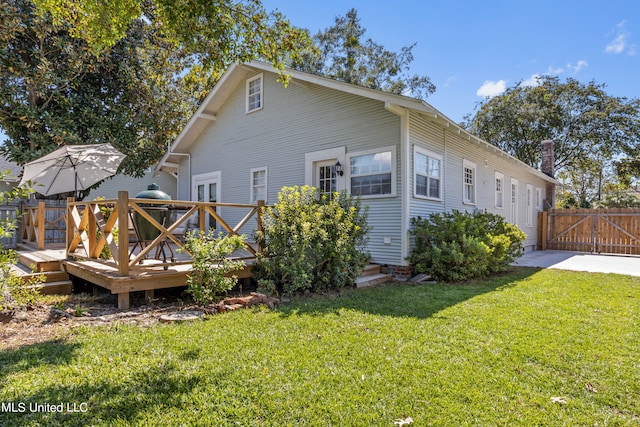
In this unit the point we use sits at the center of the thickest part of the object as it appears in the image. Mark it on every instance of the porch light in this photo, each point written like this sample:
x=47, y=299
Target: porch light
x=338, y=167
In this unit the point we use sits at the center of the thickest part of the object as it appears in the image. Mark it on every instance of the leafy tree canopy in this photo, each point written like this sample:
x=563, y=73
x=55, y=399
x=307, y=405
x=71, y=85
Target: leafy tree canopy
x=125, y=72
x=584, y=122
x=344, y=55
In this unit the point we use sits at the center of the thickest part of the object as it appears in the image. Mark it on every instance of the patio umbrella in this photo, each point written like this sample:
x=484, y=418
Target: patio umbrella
x=72, y=168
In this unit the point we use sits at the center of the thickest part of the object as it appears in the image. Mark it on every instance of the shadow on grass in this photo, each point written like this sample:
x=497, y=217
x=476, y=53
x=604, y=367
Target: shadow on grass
x=54, y=352
x=405, y=299
x=113, y=401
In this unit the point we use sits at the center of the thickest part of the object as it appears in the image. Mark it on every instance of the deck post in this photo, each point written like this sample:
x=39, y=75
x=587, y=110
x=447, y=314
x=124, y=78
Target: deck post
x=40, y=225
x=260, y=228
x=123, y=301
x=70, y=224
x=123, y=241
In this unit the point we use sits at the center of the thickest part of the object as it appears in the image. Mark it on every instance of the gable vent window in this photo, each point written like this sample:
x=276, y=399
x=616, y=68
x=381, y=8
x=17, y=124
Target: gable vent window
x=254, y=93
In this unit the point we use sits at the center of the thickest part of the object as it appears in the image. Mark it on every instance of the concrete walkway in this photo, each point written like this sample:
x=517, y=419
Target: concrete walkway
x=579, y=261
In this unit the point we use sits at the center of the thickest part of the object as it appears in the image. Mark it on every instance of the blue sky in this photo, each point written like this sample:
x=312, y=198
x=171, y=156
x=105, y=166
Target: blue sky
x=476, y=48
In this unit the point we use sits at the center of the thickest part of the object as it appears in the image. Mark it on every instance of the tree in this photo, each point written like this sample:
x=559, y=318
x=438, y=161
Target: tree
x=214, y=33
x=342, y=54
x=54, y=91
x=589, y=128
x=94, y=71
x=581, y=119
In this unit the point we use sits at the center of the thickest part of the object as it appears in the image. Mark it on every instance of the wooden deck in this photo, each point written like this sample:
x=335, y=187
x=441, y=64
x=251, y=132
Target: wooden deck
x=134, y=266
x=148, y=278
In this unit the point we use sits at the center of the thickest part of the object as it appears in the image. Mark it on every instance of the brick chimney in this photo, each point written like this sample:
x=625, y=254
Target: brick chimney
x=548, y=169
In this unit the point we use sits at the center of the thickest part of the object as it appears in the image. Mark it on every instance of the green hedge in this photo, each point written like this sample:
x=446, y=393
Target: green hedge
x=460, y=246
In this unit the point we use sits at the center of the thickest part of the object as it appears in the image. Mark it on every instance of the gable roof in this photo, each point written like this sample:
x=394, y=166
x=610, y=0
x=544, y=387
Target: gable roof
x=14, y=170
x=239, y=72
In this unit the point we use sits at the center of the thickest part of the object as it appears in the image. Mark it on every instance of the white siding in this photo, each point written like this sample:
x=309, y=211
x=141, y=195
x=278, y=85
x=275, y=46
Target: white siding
x=428, y=134
x=110, y=187
x=296, y=120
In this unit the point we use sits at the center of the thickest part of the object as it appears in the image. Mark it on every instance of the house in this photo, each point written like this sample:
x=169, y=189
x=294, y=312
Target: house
x=109, y=188
x=11, y=171
x=252, y=135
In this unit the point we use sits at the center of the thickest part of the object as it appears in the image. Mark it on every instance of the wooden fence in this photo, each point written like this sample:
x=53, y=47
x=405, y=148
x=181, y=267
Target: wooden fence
x=43, y=222
x=9, y=215
x=614, y=231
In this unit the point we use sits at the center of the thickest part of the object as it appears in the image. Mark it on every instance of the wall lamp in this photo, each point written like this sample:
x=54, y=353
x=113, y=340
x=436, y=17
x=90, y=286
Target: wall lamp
x=338, y=168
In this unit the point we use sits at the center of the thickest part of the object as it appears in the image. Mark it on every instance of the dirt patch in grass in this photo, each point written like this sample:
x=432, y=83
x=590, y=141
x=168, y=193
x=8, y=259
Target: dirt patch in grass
x=57, y=316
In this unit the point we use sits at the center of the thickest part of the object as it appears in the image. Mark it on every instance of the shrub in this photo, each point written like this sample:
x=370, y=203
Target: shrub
x=460, y=246
x=209, y=278
x=14, y=291
x=311, y=241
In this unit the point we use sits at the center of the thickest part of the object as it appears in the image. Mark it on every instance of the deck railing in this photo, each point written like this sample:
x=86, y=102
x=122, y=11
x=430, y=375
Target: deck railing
x=43, y=223
x=90, y=230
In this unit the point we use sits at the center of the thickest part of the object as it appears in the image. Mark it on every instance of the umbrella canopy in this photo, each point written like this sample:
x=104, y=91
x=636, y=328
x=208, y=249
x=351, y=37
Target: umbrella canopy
x=72, y=168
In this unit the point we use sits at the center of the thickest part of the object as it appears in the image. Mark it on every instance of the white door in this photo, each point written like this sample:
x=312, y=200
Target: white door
x=206, y=188
x=325, y=177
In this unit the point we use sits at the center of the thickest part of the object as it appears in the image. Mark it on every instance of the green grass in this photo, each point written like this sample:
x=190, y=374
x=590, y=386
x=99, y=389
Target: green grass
x=491, y=353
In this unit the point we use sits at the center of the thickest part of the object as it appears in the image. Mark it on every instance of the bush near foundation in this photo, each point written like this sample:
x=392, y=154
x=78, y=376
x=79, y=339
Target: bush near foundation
x=459, y=246
x=312, y=241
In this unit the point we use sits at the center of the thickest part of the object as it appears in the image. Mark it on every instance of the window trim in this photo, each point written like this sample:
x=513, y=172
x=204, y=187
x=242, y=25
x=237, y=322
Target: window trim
x=498, y=176
x=466, y=164
x=252, y=185
x=429, y=154
x=247, y=95
x=394, y=168
x=538, y=199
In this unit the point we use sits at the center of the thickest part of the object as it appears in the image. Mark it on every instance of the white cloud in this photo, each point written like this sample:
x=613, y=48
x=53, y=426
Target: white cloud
x=617, y=45
x=554, y=71
x=489, y=88
x=532, y=81
x=450, y=80
x=578, y=67
x=620, y=43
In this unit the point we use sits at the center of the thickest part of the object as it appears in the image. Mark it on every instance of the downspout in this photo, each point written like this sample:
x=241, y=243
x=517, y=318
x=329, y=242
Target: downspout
x=188, y=175
x=405, y=158
x=405, y=147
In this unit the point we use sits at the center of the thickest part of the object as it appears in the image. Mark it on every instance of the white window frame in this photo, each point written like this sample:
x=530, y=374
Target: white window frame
x=429, y=154
x=260, y=93
x=529, y=205
x=513, y=205
x=538, y=199
x=466, y=164
x=499, y=195
x=391, y=149
x=252, y=185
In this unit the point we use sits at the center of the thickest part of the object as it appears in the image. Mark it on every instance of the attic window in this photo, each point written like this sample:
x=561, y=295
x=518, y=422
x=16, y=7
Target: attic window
x=254, y=93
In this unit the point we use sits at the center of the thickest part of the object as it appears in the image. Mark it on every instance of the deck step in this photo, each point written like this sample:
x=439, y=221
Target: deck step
x=370, y=270
x=62, y=287
x=40, y=261
x=372, y=280
x=49, y=276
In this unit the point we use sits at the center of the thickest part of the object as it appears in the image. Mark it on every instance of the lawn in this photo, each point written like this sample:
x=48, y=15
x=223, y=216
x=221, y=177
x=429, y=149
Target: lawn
x=530, y=348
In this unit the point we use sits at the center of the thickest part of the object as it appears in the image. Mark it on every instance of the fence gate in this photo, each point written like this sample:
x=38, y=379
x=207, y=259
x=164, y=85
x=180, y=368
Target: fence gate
x=614, y=231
